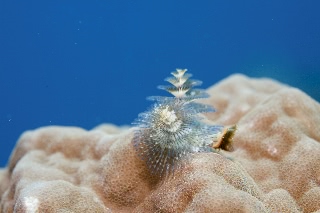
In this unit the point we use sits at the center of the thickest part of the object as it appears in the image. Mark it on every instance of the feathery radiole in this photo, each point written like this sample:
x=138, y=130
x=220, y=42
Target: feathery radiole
x=172, y=129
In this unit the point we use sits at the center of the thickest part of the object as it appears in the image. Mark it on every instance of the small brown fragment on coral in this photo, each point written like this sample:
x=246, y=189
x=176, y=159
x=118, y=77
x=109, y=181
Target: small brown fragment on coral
x=225, y=139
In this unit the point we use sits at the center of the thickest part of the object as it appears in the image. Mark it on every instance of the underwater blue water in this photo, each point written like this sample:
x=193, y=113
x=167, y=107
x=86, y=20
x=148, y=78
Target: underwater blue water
x=83, y=63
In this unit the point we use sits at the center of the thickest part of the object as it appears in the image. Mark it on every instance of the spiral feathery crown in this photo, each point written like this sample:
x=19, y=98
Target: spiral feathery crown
x=172, y=128
x=181, y=84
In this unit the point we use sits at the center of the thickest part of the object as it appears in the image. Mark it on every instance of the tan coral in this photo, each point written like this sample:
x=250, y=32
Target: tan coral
x=275, y=167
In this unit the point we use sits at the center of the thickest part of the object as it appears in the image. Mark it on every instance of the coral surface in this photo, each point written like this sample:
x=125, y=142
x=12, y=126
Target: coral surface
x=275, y=166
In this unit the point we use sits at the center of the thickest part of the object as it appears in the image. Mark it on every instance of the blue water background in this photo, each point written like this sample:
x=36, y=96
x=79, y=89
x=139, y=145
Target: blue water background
x=82, y=63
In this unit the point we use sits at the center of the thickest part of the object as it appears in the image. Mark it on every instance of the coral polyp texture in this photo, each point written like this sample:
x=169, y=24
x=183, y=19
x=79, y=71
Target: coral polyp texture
x=172, y=128
x=275, y=166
